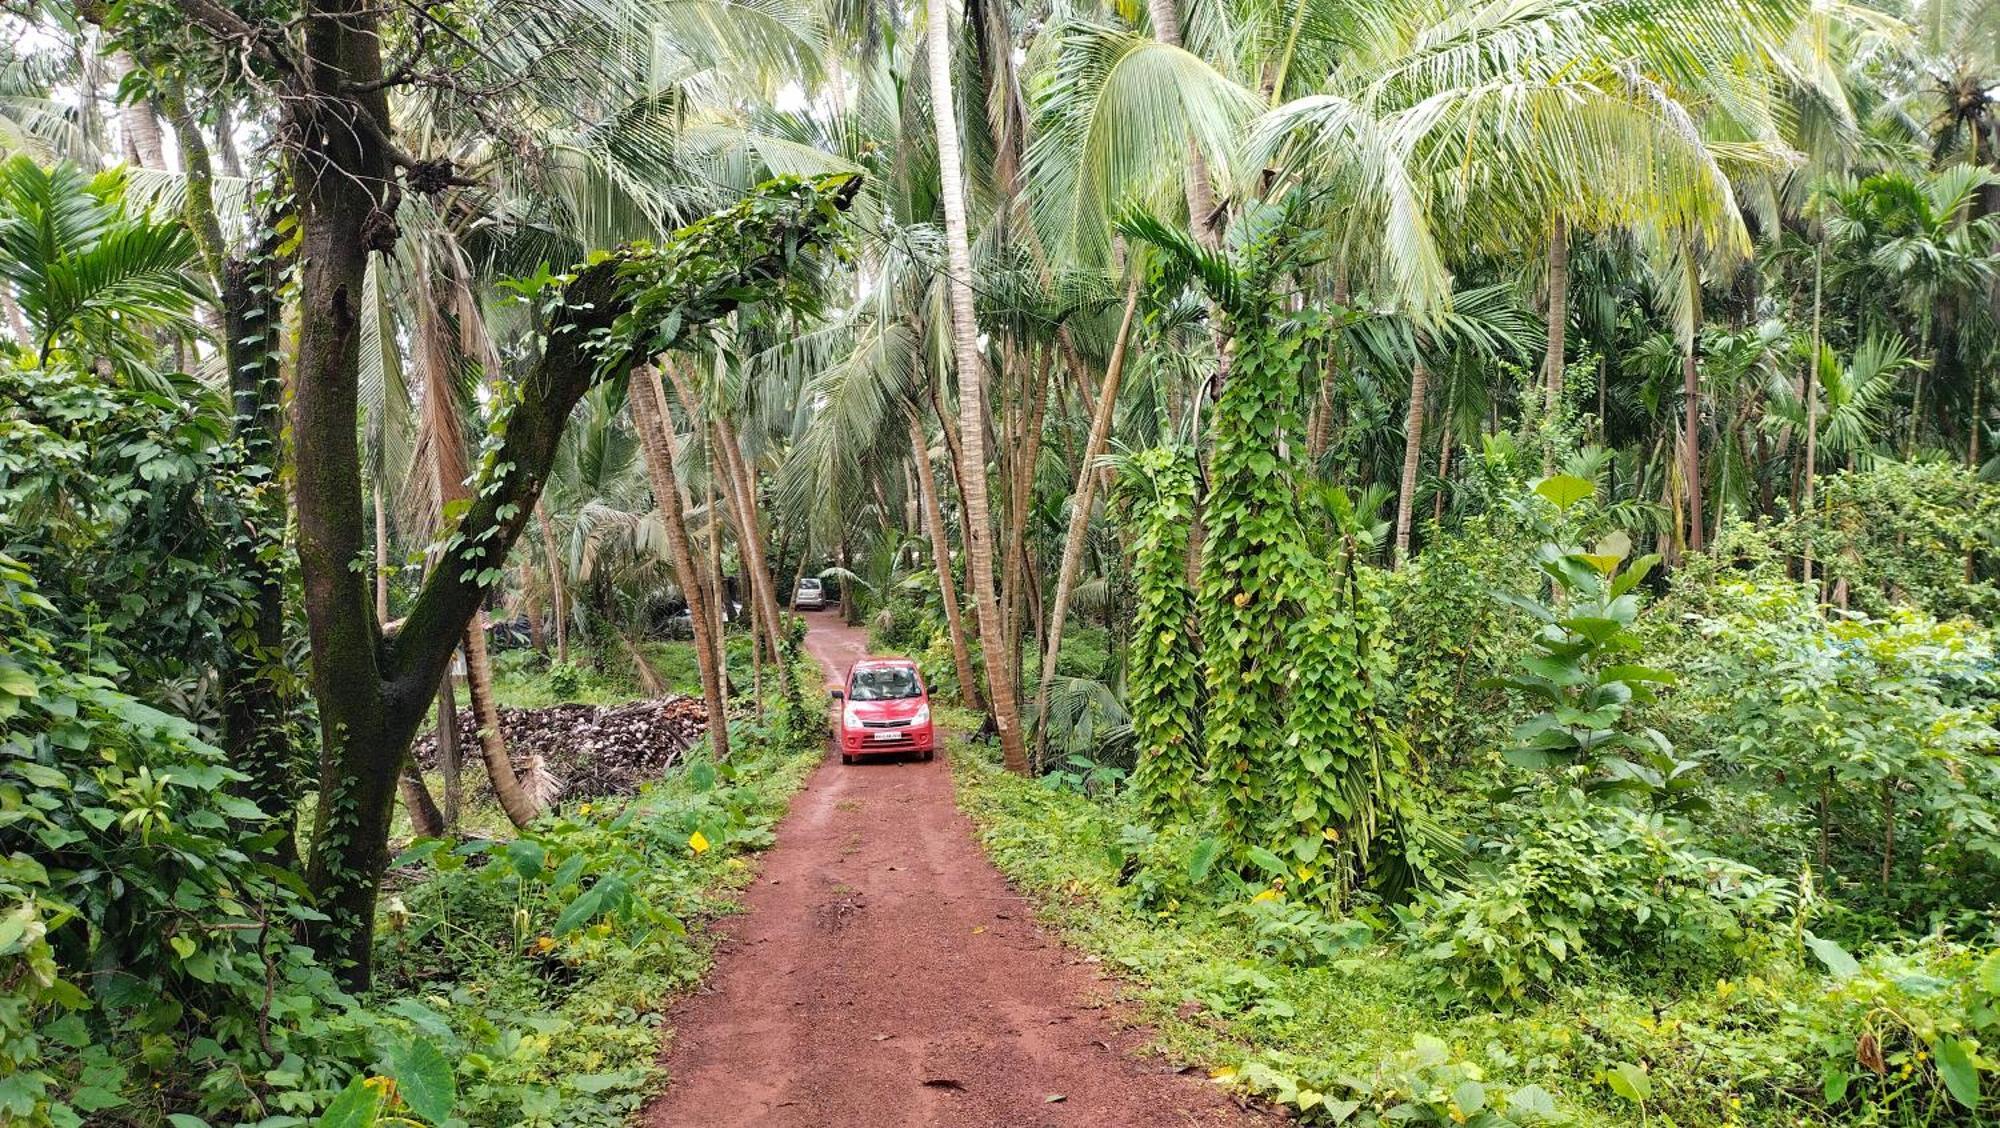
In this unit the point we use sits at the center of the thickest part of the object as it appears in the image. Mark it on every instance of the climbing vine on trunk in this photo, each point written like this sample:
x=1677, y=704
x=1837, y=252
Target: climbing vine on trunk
x=1158, y=489
x=1301, y=761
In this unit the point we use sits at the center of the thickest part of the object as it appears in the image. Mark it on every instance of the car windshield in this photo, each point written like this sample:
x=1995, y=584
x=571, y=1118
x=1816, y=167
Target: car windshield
x=889, y=683
x=808, y=585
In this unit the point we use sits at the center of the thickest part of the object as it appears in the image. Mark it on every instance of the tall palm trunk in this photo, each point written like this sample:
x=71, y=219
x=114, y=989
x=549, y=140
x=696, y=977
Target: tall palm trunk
x=1019, y=584
x=1558, y=323
x=1444, y=466
x=1812, y=415
x=1079, y=513
x=1691, y=413
x=713, y=542
x=961, y=652
x=647, y=403
x=449, y=756
x=739, y=494
x=521, y=807
x=971, y=393
x=442, y=436
x=145, y=145
x=1413, y=451
x=558, y=596
x=426, y=820
x=1166, y=18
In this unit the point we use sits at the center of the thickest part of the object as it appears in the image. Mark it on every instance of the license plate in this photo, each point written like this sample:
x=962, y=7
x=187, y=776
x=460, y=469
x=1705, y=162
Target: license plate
x=886, y=736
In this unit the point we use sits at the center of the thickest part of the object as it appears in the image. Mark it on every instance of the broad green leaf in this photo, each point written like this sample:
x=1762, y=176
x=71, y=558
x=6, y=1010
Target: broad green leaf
x=527, y=856
x=1565, y=490
x=578, y=912
x=1630, y=1082
x=357, y=1106
x=424, y=1079
x=1270, y=863
x=1531, y=1104
x=1835, y=957
x=1203, y=858
x=1955, y=1065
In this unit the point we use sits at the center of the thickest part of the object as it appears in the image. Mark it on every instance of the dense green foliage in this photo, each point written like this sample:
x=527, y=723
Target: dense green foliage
x=1159, y=491
x=1538, y=664
x=145, y=934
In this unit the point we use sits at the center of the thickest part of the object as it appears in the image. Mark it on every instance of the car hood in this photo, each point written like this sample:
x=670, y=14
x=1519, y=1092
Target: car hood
x=898, y=709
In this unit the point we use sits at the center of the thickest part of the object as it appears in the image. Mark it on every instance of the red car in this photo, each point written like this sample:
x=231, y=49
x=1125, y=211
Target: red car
x=885, y=711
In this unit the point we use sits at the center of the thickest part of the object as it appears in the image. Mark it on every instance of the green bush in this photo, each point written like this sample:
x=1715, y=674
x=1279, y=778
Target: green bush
x=147, y=960
x=1871, y=739
x=1573, y=888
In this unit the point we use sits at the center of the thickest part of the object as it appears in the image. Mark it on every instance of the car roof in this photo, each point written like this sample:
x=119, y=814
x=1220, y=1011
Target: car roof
x=884, y=664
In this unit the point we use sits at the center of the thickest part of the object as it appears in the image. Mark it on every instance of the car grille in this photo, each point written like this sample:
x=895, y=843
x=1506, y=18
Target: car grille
x=884, y=724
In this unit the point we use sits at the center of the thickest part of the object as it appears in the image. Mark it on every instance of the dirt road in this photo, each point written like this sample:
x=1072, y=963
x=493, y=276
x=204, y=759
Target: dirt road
x=885, y=974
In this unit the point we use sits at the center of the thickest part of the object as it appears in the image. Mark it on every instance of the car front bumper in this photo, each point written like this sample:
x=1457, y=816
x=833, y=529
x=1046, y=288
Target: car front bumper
x=863, y=742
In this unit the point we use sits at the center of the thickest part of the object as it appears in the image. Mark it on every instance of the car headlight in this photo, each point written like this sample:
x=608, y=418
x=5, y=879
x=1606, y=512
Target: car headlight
x=850, y=718
x=921, y=717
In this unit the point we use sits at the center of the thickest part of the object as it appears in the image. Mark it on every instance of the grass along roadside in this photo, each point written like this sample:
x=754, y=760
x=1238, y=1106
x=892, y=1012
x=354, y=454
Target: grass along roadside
x=1333, y=1020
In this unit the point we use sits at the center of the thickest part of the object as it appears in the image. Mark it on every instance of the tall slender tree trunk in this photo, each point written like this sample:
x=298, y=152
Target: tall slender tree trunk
x=1079, y=513
x=1413, y=454
x=363, y=741
x=520, y=807
x=739, y=490
x=1166, y=19
x=558, y=596
x=1558, y=310
x=1020, y=586
x=971, y=393
x=1812, y=416
x=1319, y=431
x=647, y=403
x=443, y=431
x=1691, y=414
x=961, y=652
x=713, y=542
x=450, y=757
x=426, y=820
x=138, y=124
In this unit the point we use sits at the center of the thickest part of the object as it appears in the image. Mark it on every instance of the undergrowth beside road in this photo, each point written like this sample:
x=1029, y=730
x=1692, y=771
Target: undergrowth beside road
x=1335, y=1022
x=542, y=967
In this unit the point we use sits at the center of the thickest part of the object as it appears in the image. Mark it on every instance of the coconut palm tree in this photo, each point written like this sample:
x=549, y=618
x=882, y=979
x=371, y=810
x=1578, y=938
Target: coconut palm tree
x=970, y=363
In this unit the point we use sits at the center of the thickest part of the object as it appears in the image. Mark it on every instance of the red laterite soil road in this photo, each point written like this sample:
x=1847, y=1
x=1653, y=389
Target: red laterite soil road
x=885, y=974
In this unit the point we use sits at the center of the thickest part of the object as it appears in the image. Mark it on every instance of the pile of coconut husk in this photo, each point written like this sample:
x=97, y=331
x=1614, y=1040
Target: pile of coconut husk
x=589, y=750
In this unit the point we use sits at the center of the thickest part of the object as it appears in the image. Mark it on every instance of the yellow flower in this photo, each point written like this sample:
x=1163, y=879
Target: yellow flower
x=698, y=842
x=544, y=943
x=1266, y=895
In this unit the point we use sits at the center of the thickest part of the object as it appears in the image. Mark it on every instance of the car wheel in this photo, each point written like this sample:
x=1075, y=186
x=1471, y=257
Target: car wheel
x=846, y=759
x=928, y=753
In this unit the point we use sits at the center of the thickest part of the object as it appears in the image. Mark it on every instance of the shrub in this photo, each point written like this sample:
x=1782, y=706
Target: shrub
x=1877, y=732
x=146, y=955
x=1577, y=886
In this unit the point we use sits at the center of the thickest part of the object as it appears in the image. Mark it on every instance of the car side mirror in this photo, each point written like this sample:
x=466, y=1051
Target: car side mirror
x=839, y=695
